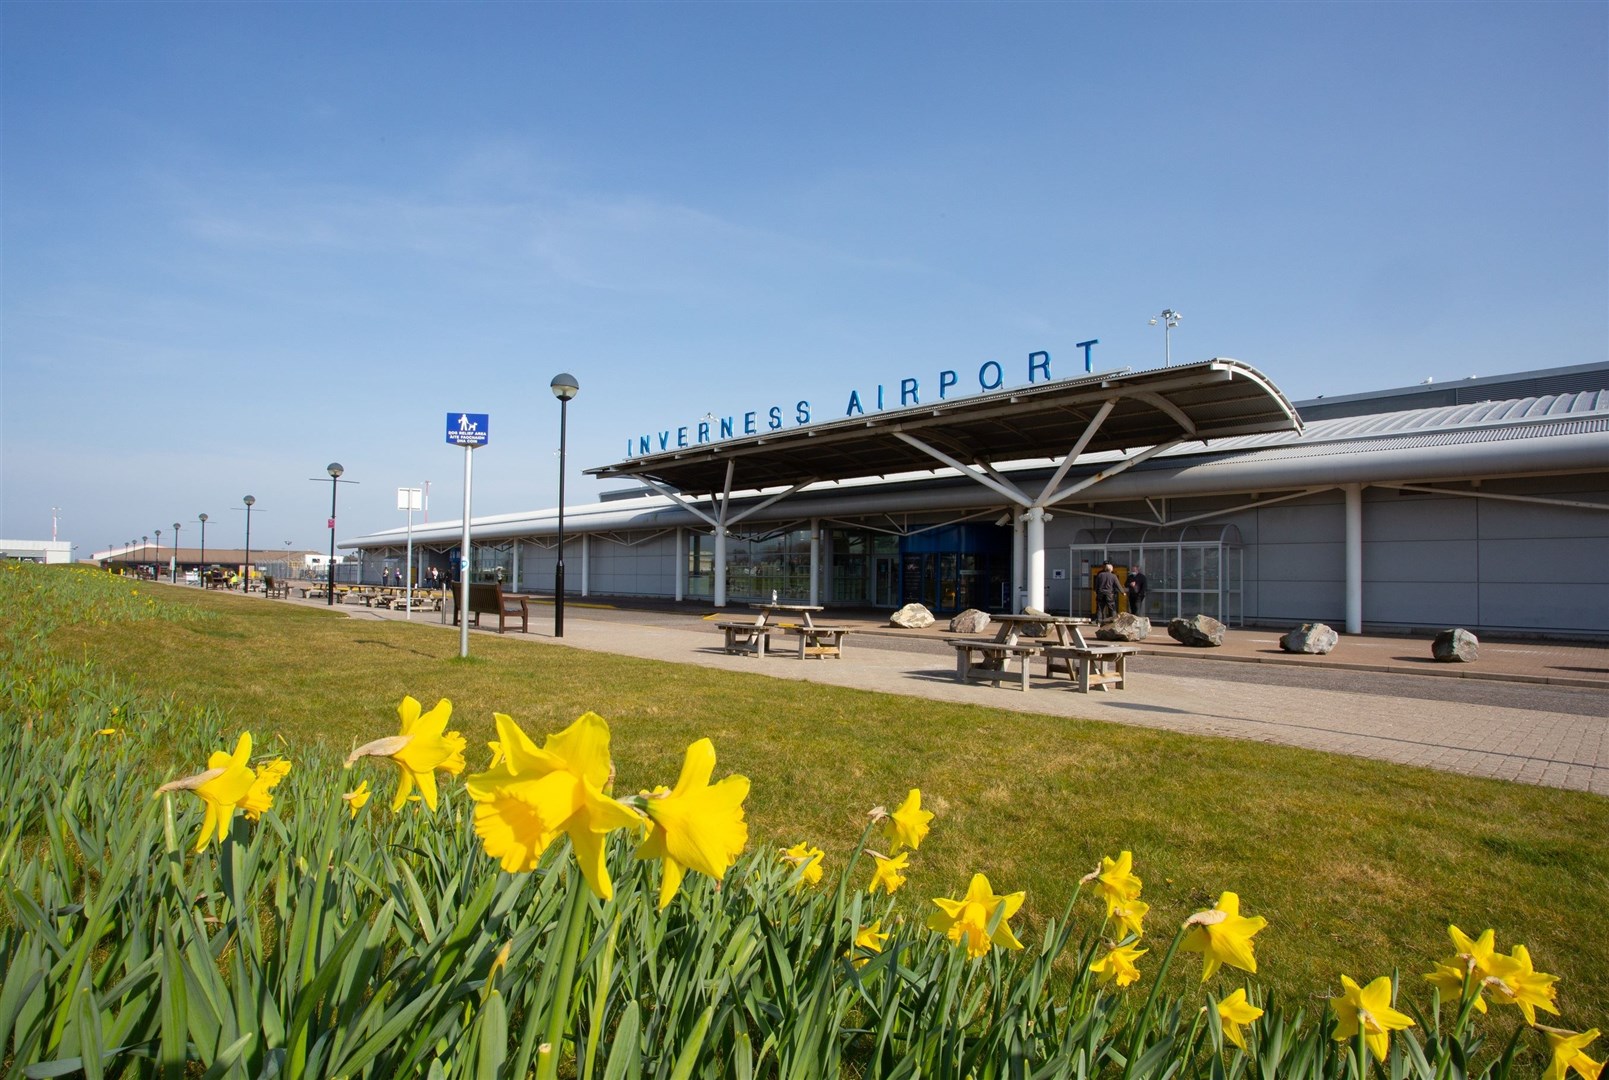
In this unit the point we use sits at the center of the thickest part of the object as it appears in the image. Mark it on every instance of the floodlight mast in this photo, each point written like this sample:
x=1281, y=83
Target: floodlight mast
x=1170, y=319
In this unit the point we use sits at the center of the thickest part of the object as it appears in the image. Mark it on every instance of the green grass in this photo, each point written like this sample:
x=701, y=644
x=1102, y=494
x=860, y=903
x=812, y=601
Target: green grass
x=1358, y=865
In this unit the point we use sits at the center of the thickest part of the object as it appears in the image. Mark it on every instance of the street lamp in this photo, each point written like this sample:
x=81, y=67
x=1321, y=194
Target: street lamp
x=145, y=542
x=335, y=471
x=250, y=501
x=564, y=388
x=156, y=565
x=203, y=519
x=175, y=575
x=1170, y=319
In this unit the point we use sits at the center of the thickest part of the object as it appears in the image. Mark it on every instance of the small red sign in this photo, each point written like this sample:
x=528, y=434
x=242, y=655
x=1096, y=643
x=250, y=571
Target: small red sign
x=331, y=525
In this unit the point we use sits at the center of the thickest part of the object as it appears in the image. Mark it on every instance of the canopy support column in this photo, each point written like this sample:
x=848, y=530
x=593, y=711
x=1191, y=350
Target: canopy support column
x=681, y=563
x=1019, y=569
x=815, y=562
x=1354, y=557
x=1035, y=544
x=586, y=563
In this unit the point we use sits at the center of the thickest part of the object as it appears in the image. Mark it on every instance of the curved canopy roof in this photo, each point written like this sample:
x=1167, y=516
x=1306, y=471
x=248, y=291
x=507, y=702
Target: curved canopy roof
x=1211, y=400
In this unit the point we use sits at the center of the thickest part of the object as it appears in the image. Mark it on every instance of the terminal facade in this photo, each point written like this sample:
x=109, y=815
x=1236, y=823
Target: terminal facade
x=1482, y=503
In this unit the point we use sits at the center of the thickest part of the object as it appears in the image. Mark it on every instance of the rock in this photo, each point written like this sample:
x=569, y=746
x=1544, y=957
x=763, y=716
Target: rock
x=1034, y=629
x=970, y=621
x=1201, y=631
x=1456, y=647
x=1310, y=637
x=1126, y=627
x=912, y=617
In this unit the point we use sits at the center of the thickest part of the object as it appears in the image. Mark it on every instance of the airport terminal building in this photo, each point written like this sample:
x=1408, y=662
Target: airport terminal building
x=1482, y=503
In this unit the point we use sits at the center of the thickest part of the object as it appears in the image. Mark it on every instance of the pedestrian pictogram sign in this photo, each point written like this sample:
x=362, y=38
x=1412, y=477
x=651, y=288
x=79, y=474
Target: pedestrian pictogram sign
x=468, y=429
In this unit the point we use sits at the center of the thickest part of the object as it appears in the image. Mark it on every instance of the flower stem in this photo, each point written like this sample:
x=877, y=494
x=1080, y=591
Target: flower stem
x=1142, y=1026
x=547, y=1065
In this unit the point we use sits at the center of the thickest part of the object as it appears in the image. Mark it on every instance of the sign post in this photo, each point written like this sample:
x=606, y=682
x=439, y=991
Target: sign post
x=408, y=499
x=468, y=430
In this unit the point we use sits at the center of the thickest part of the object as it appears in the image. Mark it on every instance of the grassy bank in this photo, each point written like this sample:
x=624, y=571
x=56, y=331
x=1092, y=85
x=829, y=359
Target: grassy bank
x=1358, y=865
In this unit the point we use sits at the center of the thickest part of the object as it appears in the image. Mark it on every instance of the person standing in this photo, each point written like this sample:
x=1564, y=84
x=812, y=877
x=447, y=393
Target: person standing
x=1136, y=587
x=1107, y=590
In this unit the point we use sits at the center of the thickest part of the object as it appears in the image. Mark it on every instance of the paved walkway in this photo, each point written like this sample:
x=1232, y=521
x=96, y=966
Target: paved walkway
x=1536, y=713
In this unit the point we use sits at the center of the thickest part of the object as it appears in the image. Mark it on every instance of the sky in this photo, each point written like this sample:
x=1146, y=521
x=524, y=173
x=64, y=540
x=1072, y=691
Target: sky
x=241, y=241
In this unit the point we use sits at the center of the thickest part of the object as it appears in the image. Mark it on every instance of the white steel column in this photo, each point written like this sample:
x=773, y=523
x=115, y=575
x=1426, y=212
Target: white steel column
x=586, y=562
x=1354, y=557
x=1019, y=569
x=1035, y=551
x=514, y=574
x=720, y=564
x=815, y=562
x=681, y=563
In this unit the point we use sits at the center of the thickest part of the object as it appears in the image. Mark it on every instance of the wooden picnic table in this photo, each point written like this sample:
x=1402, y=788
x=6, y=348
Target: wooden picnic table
x=991, y=659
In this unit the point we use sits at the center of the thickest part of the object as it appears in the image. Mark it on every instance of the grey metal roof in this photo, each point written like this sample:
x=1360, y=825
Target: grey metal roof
x=1216, y=399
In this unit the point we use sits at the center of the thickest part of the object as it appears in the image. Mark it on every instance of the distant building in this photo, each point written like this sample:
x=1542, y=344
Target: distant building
x=1482, y=503
x=37, y=551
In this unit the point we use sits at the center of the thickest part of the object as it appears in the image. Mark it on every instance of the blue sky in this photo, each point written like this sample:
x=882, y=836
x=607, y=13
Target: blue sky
x=241, y=241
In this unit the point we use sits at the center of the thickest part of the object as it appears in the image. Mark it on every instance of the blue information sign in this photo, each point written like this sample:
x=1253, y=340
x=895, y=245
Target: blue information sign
x=468, y=429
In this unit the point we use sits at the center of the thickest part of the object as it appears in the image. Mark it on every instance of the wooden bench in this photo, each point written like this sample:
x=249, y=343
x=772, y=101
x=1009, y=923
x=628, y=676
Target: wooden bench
x=819, y=641
x=1105, y=666
x=490, y=599
x=276, y=590
x=748, y=638
x=993, y=659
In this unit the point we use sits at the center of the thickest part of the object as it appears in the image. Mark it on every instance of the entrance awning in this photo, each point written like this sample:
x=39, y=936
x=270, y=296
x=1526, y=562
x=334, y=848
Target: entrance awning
x=1210, y=400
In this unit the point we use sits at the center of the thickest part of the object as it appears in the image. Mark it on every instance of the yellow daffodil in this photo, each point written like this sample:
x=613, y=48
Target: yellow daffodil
x=1117, y=965
x=221, y=787
x=1222, y=936
x=1514, y=981
x=1368, y=1008
x=1115, y=882
x=966, y=921
x=110, y=731
x=907, y=826
x=890, y=872
x=423, y=748
x=1130, y=915
x=1234, y=1012
x=1568, y=1050
x=870, y=938
x=1467, y=967
x=535, y=794
x=696, y=824
x=266, y=777
x=802, y=854
x=356, y=800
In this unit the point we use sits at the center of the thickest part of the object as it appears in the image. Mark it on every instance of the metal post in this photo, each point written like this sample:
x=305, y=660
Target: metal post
x=245, y=589
x=407, y=567
x=1354, y=557
x=203, y=570
x=335, y=472
x=463, y=561
x=558, y=570
x=174, y=577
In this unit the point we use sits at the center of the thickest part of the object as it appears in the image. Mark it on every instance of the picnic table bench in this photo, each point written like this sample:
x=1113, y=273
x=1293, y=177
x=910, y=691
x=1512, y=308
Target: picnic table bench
x=989, y=659
x=747, y=638
x=819, y=641
x=1105, y=666
x=490, y=599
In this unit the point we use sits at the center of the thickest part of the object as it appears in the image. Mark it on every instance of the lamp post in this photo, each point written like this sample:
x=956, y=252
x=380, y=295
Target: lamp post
x=1170, y=319
x=203, y=519
x=250, y=501
x=564, y=388
x=335, y=471
x=174, y=577
x=156, y=564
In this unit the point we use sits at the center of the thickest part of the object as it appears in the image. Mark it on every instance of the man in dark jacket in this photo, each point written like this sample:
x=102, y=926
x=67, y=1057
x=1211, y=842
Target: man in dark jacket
x=1107, y=590
x=1136, y=588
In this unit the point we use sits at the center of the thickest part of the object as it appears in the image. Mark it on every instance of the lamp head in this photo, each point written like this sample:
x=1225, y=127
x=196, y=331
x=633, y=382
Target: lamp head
x=250, y=500
x=565, y=386
x=334, y=469
x=175, y=526
x=201, y=518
